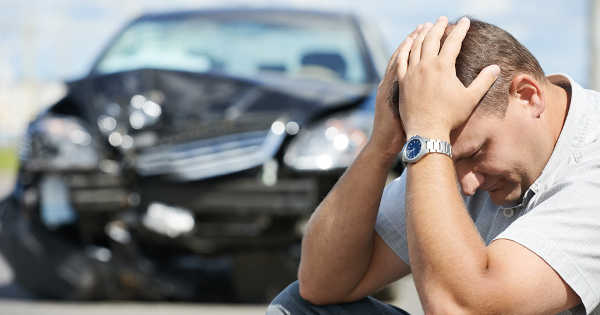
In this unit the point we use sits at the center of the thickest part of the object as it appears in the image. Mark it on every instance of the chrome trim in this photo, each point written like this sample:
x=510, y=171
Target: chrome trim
x=210, y=157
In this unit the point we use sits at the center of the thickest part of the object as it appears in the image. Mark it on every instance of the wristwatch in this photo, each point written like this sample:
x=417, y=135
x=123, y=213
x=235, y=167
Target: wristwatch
x=416, y=147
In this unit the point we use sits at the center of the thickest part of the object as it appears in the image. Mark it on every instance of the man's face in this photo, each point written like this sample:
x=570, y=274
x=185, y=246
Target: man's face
x=491, y=154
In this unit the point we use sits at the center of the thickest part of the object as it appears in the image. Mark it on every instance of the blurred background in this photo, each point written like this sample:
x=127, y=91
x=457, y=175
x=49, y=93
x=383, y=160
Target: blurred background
x=46, y=43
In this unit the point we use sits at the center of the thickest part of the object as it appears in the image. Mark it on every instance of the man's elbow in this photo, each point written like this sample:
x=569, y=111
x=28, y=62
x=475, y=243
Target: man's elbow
x=319, y=291
x=445, y=303
x=444, y=308
x=313, y=293
x=312, y=289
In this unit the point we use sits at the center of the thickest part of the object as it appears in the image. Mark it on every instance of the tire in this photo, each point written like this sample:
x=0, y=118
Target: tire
x=42, y=264
x=258, y=277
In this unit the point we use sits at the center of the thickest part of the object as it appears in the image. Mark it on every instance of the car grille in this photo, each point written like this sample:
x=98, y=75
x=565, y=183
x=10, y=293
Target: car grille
x=207, y=158
x=248, y=196
x=99, y=192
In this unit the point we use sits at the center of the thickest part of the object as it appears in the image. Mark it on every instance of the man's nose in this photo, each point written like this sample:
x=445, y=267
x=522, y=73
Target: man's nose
x=470, y=181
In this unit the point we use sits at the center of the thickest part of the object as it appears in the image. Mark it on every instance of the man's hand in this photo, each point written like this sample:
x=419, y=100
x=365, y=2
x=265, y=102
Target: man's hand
x=435, y=101
x=388, y=135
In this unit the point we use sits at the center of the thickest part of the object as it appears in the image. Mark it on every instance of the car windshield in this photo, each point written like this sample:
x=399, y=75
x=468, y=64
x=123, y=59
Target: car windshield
x=321, y=48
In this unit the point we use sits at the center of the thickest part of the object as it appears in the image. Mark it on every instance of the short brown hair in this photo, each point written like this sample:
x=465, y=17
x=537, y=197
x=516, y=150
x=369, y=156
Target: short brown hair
x=486, y=44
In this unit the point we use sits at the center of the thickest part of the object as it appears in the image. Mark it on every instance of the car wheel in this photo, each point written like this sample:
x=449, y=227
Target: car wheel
x=258, y=277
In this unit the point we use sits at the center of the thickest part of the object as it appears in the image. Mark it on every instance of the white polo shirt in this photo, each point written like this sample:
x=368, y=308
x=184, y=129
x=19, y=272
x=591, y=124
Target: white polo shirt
x=559, y=216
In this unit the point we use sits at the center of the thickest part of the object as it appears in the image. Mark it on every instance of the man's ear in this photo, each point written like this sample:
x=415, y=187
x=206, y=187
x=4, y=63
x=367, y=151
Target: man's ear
x=528, y=91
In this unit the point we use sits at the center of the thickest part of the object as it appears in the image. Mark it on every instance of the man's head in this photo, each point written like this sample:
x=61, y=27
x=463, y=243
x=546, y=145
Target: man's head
x=506, y=142
x=487, y=44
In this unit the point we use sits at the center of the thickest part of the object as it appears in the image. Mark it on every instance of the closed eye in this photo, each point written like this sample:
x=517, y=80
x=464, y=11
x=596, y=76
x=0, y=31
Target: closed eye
x=479, y=152
x=471, y=155
x=475, y=154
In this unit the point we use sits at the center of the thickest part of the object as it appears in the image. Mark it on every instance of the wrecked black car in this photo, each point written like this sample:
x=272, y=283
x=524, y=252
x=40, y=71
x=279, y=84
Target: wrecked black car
x=185, y=165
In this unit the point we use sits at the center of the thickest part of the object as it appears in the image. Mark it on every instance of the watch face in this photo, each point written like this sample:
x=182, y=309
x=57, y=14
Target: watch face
x=413, y=148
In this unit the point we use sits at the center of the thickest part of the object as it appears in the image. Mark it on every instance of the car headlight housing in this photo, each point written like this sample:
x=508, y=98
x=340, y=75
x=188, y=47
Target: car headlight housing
x=330, y=144
x=57, y=143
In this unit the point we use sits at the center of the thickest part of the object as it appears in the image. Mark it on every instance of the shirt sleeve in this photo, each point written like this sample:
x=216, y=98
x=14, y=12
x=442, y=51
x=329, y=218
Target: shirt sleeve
x=391, y=219
x=563, y=228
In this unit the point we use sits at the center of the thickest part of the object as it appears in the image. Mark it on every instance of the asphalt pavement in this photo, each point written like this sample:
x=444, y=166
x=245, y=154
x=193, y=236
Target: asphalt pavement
x=16, y=301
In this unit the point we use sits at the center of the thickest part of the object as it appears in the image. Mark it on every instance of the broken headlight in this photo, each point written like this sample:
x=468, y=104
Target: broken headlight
x=57, y=143
x=331, y=144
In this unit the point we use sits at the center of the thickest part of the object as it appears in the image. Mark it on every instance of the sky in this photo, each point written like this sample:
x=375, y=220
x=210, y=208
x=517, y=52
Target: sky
x=54, y=40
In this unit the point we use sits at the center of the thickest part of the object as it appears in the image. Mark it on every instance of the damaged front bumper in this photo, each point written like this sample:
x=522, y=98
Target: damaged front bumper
x=49, y=265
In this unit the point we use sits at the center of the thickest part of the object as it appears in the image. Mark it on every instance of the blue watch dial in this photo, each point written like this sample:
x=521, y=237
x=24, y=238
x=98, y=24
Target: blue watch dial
x=413, y=148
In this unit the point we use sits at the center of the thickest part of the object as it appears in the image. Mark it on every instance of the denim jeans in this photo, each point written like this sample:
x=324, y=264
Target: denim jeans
x=289, y=302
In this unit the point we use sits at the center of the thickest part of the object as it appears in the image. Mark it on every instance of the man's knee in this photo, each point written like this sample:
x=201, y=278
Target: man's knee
x=288, y=301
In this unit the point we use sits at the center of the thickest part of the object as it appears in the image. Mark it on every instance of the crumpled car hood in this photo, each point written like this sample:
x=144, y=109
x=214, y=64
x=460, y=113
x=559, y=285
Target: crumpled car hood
x=210, y=124
x=192, y=99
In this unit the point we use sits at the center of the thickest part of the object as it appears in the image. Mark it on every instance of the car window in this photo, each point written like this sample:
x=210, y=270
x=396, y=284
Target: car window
x=326, y=50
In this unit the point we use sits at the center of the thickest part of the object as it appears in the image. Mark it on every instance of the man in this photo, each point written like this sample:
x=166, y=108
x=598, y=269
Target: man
x=523, y=236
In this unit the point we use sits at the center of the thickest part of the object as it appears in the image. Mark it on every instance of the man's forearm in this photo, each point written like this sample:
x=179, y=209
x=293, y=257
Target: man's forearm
x=448, y=256
x=339, y=237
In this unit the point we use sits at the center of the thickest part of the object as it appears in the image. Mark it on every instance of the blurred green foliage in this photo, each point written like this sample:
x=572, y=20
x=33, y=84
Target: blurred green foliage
x=8, y=159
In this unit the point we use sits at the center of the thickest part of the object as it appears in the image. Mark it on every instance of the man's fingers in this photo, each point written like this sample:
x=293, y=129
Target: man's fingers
x=483, y=82
x=392, y=63
x=390, y=72
x=431, y=44
x=390, y=80
x=402, y=58
x=453, y=42
x=415, y=50
x=402, y=66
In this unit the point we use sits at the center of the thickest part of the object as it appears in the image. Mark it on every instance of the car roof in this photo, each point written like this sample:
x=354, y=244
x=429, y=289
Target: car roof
x=246, y=11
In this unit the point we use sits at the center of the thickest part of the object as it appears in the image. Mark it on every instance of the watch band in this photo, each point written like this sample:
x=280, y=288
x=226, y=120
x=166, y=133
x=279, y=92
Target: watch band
x=438, y=146
x=417, y=146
